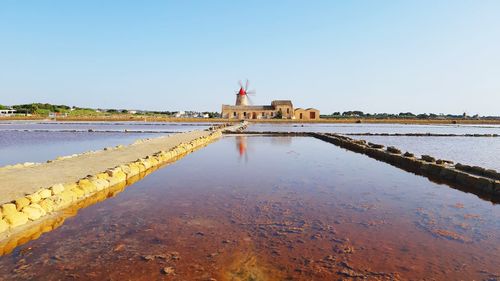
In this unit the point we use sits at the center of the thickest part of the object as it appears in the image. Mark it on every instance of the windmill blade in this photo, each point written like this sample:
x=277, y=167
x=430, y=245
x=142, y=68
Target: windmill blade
x=250, y=101
x=246, y=86
x=241, y=84
x=251, y=93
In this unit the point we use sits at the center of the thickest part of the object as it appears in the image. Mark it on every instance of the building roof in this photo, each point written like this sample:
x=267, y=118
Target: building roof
x=307, y=109
x=281, y=102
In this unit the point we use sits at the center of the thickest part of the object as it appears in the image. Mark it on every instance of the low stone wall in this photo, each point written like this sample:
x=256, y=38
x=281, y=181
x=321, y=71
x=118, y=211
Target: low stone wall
x=480, y=171
x=421, y=135
x=479, y=181
x=235, y=129
x=45, y=201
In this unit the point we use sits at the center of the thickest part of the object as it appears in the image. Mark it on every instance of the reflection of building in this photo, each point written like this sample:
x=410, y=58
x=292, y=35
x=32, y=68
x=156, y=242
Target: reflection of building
x=282, y=140
x=278, y=109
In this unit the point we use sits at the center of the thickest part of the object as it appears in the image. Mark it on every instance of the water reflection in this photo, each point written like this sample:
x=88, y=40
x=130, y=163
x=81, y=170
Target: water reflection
x=34, y=231
x=321, y=213
x=241, y=146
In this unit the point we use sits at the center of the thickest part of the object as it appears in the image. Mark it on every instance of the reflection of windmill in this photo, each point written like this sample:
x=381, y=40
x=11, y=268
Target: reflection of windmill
x=242, y=96
x=241, y=143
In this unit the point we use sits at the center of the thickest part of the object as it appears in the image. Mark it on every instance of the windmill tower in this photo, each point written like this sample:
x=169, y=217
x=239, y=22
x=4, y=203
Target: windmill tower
x=242, y=95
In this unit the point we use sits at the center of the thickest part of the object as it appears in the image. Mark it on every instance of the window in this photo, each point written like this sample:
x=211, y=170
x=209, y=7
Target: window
x=234, y=114
x=312, y=115
x=288, y=111
x=263, y=114
x=245, y=114
x=300, y=116
x=272, y=114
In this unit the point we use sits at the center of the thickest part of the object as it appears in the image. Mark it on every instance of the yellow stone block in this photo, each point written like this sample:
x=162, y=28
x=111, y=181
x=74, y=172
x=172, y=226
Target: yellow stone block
x=100, y=184
x=134, y=170
x=4, y=226
x=154, y=162
x=47, y=204
x=57, y=189
x=16, y=219
x=34, y=198
x=44, y=193
x=70, y=195
x=77, y=191
x=8, y=208
x=113, y=172
x=87, y=186
x=147, y=163
x=116, y=176
x=125, y=169
x=103, y=176
x=66, y=197
x=69, y=186
x=34, y=211
x=21, y=203
x=141, y=166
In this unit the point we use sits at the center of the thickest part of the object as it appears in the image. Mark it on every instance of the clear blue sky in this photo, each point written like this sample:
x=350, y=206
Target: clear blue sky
x=375, y=56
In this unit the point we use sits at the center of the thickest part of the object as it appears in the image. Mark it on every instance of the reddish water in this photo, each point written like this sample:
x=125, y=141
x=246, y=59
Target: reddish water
x=272, y=208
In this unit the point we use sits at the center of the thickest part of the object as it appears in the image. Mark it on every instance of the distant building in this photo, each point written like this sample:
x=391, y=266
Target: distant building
x=306, y=114
x=283, y=108
x=7, y=112
x=277, y=108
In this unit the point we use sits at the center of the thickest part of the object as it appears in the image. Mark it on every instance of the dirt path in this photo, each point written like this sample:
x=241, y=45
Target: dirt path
x=17, y=182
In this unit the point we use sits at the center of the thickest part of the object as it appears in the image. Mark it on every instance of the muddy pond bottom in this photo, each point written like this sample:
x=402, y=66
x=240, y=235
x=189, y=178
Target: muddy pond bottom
x=271, y=208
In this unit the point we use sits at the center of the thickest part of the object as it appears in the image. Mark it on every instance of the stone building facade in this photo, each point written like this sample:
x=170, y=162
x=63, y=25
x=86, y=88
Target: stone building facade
x=277, y=108
x=306, y=114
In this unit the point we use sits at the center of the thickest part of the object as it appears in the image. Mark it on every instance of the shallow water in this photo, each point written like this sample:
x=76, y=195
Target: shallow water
x=480, y=151
x=272, y=208
x=103, y=126
x=378, y=128
x=20, y=146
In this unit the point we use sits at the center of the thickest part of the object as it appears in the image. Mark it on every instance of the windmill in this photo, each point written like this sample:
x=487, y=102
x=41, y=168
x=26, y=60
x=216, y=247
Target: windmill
x=242, y=96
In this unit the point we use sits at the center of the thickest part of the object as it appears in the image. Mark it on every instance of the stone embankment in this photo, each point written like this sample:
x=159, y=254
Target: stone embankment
x=31, y=192
x=477, y=180
x=421, y=135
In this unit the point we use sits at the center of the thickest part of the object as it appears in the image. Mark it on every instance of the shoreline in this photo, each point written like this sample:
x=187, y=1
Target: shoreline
x=130, y=118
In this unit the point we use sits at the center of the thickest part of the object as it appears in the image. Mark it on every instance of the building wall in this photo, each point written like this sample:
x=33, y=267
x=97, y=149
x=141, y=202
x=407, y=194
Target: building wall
x=236, y=113
x=258, y=112
x=286, y=111
x=306, y=114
